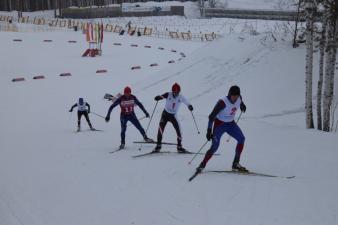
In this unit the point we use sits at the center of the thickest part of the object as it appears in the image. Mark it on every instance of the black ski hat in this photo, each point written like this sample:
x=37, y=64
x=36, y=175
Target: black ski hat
x=234, y=90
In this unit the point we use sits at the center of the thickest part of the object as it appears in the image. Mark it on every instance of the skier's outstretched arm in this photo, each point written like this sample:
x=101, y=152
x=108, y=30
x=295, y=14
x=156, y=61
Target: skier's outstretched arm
x=71, y=109
x=139, y=104
x=117, y=102
x=160, y=97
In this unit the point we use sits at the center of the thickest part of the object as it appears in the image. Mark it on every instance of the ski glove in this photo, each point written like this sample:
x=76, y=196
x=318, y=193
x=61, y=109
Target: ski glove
x=88, y=111
x=107, y=119
x=70, y=110
x=190, y=108
x=209, y=134
x=158, y=98
x=147, y=114
x=243, y=107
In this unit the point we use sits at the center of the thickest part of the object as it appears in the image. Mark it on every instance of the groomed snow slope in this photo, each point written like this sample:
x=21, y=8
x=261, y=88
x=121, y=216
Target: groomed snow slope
x=50, y=175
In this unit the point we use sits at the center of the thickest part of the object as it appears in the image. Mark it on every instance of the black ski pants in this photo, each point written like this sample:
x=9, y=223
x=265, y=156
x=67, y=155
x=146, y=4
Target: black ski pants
x=165, y=118
x=85, y=114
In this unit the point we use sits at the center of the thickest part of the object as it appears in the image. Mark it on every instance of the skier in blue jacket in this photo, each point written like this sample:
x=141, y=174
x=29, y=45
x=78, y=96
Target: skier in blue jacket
x=127, y=103
x=221, y=120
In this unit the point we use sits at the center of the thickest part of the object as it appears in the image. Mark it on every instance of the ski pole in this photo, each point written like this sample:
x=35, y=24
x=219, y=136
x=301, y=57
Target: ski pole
x=151, y=117
x=198, y=131
x=236, y=123
x=198, y=152
x=98, y=115
x=70, y=116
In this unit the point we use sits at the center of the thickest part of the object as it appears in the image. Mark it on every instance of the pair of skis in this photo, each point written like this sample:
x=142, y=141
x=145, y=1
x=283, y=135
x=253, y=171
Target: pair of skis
x=164, y=152
x=78, y=131
x=249, y=173
x=240, y=173
x=117, y=150
x=157, y=152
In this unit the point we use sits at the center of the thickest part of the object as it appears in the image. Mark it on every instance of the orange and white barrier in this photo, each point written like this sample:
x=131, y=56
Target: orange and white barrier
x=101, y=71
x=65, y=74
x=18, y=79
x=39, y=77
x=136, y=67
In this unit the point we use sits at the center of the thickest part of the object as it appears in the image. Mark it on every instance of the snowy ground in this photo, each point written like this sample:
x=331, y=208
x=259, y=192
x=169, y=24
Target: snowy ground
x=51, y=175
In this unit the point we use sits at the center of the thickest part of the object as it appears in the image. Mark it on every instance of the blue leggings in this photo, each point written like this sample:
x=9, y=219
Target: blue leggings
x=233, y=130
x=133, y=119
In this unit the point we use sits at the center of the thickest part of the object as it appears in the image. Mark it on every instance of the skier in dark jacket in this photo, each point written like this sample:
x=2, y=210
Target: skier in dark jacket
x=222, y=120
x=172, y=105
x=127, y=103
x=83, y=109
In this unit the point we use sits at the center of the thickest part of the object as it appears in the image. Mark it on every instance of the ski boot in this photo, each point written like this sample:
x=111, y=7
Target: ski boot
x=78, y=129
x=92, y=128
x=122, y=146
x=157, y=148
x=146, y=139
x=200, y=168
x=236, y=167
x=180, y=149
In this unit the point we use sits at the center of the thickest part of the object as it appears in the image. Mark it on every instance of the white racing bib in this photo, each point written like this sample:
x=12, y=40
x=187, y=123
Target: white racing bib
x=173, y=104
x=83, y=107
x=229, y=112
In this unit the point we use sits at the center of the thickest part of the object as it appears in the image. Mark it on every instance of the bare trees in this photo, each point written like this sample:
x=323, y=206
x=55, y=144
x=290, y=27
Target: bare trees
x=327, y=58
x=26, y=5
x=34, y=5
